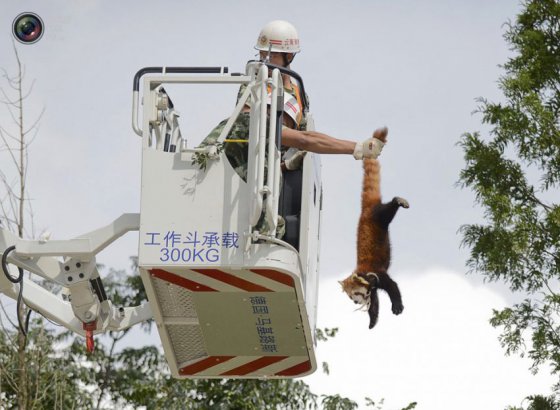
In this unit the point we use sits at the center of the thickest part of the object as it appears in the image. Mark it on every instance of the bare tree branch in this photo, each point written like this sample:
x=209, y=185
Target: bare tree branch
x=9, y=107
x=12, y=382
x=10, y=151
x=11, y=199
x=3, y=130
x=8, y=100
x=29, y=91
x=35, y=124
x=14, y=325
x=539, y=202
x=12, y=81
x=32, y=219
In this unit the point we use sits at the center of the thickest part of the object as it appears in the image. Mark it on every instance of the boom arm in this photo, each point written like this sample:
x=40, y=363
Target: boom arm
x=82, y=305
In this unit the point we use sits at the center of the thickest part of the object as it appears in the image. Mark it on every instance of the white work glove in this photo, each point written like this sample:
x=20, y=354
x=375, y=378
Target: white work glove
x=295, y=161
x=370, y=148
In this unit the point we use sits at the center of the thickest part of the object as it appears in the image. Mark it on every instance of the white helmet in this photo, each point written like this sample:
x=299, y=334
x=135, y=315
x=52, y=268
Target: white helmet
x=279, y=36
x=291, y=107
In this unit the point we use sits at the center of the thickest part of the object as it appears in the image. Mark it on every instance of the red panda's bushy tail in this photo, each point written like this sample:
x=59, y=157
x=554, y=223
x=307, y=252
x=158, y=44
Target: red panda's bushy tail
x=371, y=191
x=371, y=196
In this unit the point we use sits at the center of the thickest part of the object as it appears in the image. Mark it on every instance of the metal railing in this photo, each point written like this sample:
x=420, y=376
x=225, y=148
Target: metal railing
x=264, y=157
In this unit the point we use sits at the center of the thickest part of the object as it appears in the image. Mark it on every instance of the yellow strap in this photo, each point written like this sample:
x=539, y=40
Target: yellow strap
x=236, y=140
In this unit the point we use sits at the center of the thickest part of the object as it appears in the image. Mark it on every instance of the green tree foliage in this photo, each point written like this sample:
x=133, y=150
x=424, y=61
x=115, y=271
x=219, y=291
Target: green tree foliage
x=539, y=403
x=515, y=174
x=54, y=378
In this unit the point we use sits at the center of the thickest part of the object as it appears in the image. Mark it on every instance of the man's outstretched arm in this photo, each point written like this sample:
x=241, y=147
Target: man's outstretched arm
x=321, y=143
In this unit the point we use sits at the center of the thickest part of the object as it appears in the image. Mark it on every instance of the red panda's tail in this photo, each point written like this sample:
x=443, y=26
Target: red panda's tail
x=367, y=232
x=371, y=191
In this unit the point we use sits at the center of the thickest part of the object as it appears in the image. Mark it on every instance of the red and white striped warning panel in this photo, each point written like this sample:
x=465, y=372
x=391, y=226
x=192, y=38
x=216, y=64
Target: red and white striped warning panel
x=231, y=323
x=228, y=366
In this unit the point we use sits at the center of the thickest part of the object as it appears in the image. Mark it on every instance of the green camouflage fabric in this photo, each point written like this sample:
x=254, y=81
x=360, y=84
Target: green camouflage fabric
x=237, y=154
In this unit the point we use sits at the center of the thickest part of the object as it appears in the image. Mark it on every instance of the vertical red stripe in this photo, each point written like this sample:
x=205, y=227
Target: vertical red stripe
x=232, y=280
x=203, y=364
x=180, y=281
x=276, y=276
x=295, y=370
x=254, y=366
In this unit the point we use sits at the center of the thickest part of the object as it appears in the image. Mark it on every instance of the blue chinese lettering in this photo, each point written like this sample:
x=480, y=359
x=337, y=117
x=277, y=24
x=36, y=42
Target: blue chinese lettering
x=171, y=239
x=192, y=239
x=190, y=247
x=230, y=240
x=211, y=239
x=152, y=239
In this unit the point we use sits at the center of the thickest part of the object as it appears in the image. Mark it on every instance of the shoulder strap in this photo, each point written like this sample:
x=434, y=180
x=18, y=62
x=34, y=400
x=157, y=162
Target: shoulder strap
x=297, y=94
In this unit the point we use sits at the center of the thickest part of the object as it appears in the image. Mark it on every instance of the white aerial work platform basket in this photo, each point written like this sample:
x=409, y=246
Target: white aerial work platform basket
x=229, y=300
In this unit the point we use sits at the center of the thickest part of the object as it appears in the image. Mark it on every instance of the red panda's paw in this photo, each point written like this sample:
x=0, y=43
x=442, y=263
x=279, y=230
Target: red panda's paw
x=397, y=308
x=401, y=202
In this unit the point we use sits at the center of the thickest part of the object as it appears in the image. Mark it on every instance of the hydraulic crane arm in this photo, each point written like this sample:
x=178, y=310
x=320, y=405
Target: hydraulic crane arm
x=82, y=305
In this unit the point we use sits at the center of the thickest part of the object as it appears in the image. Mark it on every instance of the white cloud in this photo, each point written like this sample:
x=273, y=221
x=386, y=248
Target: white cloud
x=441, y=352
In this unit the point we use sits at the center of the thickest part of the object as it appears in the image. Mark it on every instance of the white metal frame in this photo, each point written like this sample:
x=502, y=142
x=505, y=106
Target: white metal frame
x=73, y=274
x=265, y=194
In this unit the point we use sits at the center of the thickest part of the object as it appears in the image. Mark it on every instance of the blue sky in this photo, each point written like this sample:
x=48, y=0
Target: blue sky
x=417, y=67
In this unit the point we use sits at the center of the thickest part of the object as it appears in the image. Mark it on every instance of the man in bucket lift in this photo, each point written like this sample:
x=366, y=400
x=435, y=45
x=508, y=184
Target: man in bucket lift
x=278, y=42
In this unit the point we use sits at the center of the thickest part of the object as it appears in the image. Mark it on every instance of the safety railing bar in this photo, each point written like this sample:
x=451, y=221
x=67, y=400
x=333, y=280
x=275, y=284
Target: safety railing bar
x=253, y=154
x=165, y=70
x=259, y=137
x=271, y=160
x=175, y=70
x=237, y=110
x=262, y=136
x=135, y=126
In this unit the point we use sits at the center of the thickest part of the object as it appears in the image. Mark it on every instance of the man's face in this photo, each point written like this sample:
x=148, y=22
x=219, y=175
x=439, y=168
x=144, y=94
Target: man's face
x=276, y=58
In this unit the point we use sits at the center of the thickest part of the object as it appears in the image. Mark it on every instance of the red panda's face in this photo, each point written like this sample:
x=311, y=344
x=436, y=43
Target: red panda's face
x=356, y=291
x=359, y=295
